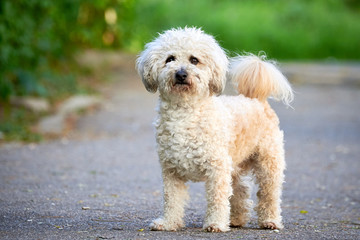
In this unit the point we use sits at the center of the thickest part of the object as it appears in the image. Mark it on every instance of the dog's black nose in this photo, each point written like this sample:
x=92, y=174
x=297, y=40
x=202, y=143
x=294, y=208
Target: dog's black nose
x=181, y=75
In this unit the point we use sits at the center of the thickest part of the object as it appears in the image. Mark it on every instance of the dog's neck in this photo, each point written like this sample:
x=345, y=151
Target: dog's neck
x=186, y=103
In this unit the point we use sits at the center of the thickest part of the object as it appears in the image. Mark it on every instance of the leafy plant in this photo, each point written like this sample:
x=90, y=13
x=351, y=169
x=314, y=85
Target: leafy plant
x=39, y=38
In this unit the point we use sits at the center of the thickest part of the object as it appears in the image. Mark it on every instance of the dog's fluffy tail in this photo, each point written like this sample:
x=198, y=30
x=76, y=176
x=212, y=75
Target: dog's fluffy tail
x=256, y=77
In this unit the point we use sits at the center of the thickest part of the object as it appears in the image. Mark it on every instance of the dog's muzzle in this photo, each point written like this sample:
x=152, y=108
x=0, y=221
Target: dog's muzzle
x=181, y=77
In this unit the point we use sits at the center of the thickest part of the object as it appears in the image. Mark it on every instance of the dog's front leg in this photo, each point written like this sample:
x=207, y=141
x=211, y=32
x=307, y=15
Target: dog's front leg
x=218, y=192
x=175, y=196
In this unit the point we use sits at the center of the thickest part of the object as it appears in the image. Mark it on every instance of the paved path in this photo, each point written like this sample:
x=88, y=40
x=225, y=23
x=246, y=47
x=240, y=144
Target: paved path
x=102, y=181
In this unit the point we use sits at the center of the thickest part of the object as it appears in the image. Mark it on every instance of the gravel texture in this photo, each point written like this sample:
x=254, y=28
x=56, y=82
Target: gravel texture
x=102, y=180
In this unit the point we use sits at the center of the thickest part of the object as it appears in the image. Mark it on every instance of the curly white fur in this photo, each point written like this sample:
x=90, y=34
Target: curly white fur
x=219, y=140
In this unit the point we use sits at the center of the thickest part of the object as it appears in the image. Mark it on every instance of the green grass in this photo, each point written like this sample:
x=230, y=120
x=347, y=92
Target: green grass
x=285, y=29
x=16, y=123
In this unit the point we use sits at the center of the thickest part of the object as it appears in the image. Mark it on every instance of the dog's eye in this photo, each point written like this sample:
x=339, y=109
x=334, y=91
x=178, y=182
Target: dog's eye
x=170, y=59
x=194, y=60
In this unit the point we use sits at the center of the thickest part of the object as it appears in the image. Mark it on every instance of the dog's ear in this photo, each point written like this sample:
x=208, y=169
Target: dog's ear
x=217, y=83
x=145, y=67
x=219, y=70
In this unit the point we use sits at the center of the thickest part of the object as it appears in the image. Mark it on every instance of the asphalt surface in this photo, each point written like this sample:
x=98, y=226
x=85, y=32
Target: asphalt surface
x=102, y=180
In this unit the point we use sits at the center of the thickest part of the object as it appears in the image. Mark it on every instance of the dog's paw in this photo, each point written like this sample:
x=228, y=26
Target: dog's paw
x=215, y=228
x=157, y=225
x=237, y=223
x=160, y=225
x=271, y=225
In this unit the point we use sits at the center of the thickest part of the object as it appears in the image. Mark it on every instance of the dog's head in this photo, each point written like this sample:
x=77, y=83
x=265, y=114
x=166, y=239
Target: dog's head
x=182, y=62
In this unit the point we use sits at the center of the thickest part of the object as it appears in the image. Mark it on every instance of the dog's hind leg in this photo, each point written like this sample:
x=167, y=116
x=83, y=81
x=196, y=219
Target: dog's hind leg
x=175, y=197
x=240, y=201
x=269, y=171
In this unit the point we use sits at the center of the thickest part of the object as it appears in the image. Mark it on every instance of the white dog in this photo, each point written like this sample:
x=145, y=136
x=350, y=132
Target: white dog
x=219, y=140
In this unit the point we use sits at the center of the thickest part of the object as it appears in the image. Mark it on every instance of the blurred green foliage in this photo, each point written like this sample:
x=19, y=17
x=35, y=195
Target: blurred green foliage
x=39, y=37
x=285, y=29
